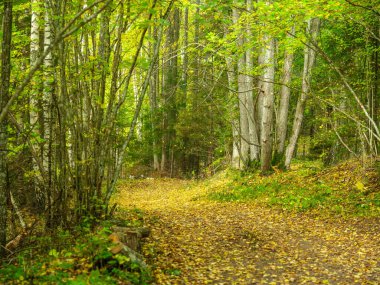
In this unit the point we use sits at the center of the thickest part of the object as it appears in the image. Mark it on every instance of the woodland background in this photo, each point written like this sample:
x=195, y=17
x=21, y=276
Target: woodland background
x=92, y=91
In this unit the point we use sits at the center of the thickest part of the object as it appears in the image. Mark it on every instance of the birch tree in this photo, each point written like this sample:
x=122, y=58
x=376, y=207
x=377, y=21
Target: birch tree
x=35, y=103
x=252, y=123
x=309, y=60
x=268, y=104
x=283, y=111
x=242, y=96
x=153, y=91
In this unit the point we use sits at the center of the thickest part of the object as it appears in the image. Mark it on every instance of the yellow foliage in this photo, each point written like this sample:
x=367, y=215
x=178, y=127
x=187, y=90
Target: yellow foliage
x=197, y=241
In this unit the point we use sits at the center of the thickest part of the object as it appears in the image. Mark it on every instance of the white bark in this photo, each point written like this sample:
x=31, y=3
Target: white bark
x=231, y=76
x=34, y=52
x=46, y=102
x=252, y=125
x=17, y=211
x=309, y=60
x=243, y=102
x=153, y=83
x=282, y=121
x=48, y=82
x=260, y=94
x=136, y=82
x=268, y=103
x=35, y=98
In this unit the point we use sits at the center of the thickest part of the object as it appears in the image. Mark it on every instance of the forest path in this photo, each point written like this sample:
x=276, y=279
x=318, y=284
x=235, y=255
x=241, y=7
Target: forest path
x=196, y=241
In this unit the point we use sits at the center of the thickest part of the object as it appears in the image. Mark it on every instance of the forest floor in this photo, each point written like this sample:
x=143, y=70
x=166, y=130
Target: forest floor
x=197, y=240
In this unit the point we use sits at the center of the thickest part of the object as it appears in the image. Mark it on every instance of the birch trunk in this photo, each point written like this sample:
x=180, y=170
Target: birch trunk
x=231, y=76
x=260, y=94
x=282, y=121
x=34, y=53
x=153, y=88
x=242, y=95
x=268, y=104
x=136, y=82
x=252, y=124
x=48, y=86
x=309, y=60
x=36, y=114
x=153, y=107
x=185, y=57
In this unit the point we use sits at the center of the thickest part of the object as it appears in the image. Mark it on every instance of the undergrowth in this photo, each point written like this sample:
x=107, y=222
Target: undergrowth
x=346, y=189
x=80, y=256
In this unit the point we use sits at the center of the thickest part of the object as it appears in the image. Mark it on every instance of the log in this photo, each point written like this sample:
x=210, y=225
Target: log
x=121, y=248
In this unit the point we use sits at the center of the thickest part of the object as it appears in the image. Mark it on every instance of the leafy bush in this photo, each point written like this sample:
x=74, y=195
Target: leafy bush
x=80, y=257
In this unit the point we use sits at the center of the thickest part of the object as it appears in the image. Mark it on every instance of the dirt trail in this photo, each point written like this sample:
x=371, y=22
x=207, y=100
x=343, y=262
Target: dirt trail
x=195, y=241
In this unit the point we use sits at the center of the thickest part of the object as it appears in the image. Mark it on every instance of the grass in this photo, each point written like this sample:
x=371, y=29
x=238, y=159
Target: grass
x=346, y=189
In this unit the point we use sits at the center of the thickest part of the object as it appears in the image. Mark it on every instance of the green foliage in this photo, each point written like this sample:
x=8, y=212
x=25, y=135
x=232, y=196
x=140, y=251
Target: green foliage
x=81, y=257
x=289, y=197
x=301, y=190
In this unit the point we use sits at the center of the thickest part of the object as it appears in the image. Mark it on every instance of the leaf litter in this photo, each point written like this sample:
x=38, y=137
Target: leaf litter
x=198, y=241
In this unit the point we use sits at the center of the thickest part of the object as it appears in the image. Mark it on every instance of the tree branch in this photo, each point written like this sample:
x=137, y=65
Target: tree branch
x=61, y=36
x=368, y=8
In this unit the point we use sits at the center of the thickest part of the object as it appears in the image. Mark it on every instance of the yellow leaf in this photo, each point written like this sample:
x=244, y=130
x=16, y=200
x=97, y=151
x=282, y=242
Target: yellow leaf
x=360, y=186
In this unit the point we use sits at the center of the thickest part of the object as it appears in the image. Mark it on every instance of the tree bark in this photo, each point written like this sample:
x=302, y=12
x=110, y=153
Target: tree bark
x=185, y=57
x=231, y=77
x=34, y=53
x=35, y=103
x=169, y=88
x=268, y=104
x=309, y=60
x=242, y=95
x=252, y=124
x=282, y=121
x=49, y=84
x=136, y=82
x=4, y=97
x=153, y=88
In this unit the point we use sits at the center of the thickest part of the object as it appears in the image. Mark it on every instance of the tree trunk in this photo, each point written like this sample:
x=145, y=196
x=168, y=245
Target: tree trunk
x=242, y=95
x=185, y=57
x=34, y=53
x=268, y=104
x=309, y=60
x=4, y=97
x=153, y=86
x=49, y=83
x=231, y=77
x=252, y=124
x=36, y=112
x=282, y=121
x=169, y=87
x=260, y=93
x=101, y=144
x=136, y=82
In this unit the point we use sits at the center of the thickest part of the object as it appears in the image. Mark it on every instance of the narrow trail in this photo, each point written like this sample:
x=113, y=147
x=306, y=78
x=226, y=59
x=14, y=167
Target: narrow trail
x=196, y=241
